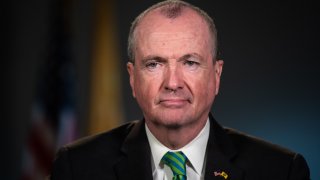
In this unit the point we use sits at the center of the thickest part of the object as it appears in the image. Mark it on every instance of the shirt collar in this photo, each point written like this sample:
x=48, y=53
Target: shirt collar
x=195, y=150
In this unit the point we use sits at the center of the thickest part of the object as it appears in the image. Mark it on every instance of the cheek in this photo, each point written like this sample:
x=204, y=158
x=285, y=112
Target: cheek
x=202, y=87
x=146, y=88
x=211, y=86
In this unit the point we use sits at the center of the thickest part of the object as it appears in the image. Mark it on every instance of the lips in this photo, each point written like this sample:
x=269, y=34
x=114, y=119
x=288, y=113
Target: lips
x=173, y=103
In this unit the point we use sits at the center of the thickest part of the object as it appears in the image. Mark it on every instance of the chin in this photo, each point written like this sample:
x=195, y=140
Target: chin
x=170, y=124
x=172, y=120
x=173, y=126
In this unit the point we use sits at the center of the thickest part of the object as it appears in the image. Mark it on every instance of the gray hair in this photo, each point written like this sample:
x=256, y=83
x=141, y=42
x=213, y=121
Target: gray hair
x=172, y=9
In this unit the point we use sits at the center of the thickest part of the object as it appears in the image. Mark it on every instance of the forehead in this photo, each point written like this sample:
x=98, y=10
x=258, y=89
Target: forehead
x=185, y=13
x=187, y=30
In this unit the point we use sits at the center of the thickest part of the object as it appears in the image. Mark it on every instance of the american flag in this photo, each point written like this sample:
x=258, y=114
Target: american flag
x=54, y=113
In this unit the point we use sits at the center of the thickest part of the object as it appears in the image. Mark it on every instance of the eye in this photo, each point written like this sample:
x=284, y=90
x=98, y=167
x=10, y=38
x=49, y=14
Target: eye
x=192, y=65
x=152, y=65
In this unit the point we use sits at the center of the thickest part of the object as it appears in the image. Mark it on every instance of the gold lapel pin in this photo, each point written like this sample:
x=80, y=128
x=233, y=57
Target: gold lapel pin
x=222, y=173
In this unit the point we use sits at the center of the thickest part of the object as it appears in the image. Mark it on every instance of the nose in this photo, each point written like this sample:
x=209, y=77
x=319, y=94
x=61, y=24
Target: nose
x=173, y=79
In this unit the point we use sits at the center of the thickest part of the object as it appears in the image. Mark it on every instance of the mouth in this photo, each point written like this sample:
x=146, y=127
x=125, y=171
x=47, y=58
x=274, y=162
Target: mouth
x=174, y=103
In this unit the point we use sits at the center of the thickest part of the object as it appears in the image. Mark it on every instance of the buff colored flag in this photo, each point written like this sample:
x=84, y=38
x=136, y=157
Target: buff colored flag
x=105, y=107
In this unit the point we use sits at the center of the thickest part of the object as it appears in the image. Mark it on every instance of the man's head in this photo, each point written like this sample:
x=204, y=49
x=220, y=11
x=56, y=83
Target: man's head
x=172, y=9
x=175, y=75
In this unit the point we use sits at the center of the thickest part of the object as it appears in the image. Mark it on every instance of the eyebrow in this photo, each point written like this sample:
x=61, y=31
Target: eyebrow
x=153, y=57
x=191, y=55
x=163, y=59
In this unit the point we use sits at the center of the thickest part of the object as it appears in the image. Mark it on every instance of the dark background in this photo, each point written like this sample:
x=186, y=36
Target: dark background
x=271, y=78
x=270, y=82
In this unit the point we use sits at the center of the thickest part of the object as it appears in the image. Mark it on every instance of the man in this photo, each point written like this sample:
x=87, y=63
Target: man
x=175, y=76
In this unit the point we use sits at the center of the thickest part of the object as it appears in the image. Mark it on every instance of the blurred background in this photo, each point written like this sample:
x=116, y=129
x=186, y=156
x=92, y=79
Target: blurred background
x=63, y=71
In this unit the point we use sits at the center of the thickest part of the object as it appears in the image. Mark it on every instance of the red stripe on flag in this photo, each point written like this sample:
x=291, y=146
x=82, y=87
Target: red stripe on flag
x=41, y=150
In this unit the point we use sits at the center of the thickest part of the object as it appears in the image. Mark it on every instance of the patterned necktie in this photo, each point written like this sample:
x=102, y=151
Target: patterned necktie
x=177, y=162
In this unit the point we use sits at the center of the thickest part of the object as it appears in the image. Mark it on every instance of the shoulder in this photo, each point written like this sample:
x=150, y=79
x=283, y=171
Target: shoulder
x=92, y=157
x=257, y=155
x=248, y=143
x=102, y=141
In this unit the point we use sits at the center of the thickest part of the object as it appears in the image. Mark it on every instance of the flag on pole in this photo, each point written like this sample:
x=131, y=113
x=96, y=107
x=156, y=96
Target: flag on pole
x=54, y=121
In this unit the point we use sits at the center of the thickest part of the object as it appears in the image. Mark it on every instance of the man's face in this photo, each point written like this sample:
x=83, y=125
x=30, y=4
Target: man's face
x=174, y=78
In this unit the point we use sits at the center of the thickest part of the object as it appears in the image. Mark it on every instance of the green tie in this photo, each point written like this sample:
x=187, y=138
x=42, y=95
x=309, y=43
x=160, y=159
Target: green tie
x=177, y=162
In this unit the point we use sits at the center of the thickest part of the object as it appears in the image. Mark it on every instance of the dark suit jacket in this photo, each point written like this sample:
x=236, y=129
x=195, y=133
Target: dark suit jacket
x=124, y=153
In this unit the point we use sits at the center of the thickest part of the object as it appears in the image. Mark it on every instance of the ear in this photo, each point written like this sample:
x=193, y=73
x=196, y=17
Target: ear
x=218, y=71
x=130, y=69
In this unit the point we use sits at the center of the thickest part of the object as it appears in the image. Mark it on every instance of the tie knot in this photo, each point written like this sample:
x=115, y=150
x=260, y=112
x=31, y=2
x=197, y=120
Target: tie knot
x=177, y=162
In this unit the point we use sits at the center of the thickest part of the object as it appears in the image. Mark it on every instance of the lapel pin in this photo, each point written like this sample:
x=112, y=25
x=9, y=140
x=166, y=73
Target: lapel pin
x=222, y=173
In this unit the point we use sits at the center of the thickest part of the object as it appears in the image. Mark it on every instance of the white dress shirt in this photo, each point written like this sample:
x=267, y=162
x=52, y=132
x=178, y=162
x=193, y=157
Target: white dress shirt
x=195, y=152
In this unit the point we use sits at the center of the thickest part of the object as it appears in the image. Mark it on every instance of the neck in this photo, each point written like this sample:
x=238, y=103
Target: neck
x=176, y=137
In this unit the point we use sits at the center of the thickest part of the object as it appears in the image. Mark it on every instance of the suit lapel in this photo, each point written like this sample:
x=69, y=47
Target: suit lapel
x=136, y=162
x=220, y=153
